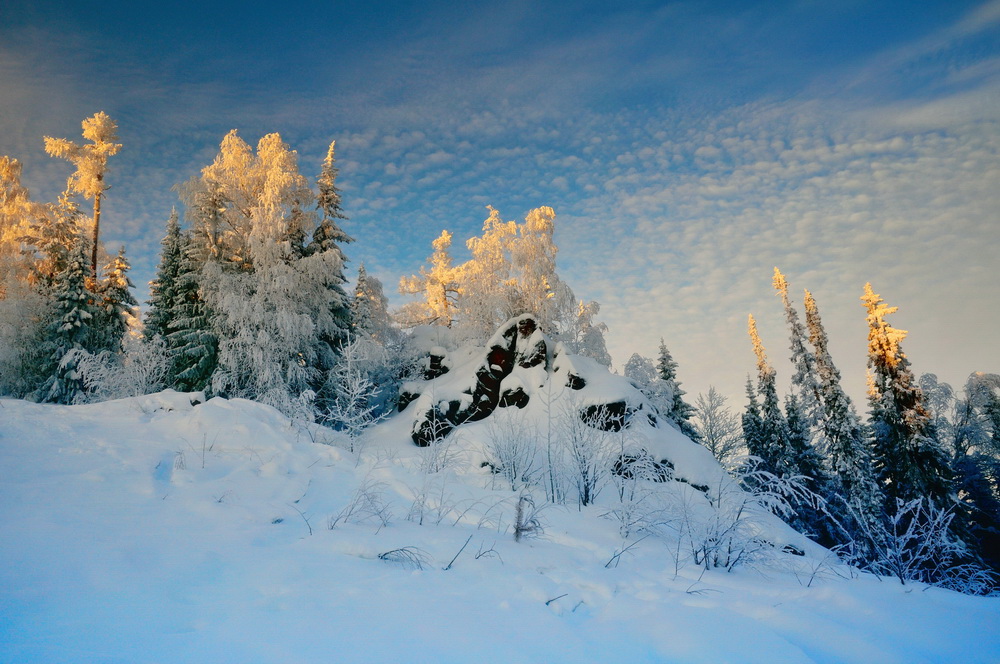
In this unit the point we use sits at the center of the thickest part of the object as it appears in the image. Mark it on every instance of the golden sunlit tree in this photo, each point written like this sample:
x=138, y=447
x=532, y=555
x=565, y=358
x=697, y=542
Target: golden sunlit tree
x=908, y=457
x=91, y=161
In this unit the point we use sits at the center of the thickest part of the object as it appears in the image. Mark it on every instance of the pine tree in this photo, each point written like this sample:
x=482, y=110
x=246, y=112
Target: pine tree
x=163, y=289
x=680, y=411
x=91, y=163
x=908, y=457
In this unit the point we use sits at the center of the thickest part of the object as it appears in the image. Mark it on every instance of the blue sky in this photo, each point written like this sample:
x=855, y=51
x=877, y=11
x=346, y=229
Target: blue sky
x=687, y=147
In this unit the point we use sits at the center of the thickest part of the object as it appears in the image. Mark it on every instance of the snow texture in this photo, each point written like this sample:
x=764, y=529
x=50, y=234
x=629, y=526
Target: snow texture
x=163, y=529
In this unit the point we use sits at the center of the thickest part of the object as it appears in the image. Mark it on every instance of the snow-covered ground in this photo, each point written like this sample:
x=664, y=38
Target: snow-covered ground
x=151, y=530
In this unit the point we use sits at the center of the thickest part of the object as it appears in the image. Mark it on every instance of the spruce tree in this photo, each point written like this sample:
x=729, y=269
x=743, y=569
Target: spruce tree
x=772, y=444
x=70, y=331
x=327, y=239
x=680, y=411
x=163, y=289
x=328, y=235
x=116, y=304
x=804, y=381
x=842, y=438
x=908, y=457
x=751, y=421
x=192, y=345
x=370, y=309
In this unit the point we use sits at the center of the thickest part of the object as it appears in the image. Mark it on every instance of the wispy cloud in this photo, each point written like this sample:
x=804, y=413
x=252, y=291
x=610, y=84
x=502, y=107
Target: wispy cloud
x=687, y=149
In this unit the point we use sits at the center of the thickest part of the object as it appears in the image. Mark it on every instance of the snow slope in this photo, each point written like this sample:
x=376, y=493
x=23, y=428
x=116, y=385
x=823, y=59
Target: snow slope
x=151, y=530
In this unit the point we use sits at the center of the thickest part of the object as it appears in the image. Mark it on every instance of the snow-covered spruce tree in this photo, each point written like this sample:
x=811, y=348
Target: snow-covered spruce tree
x=91, y=161
x=908, y=457
x=327, y=238
x=70, y=333
x=115, y=305
x=370, y=309
x=771, y=443
x=641, y=371
x=163, y=288
x=191, y=343
x=963, y=428
x=783, y=445
x=751, y=422
x=804, y=381
x=842, y=439
x=680, y=411
x=328, y=235
x=272, y=305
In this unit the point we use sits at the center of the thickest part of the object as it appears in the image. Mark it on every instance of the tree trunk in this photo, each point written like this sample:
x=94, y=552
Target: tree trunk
x=97, y=228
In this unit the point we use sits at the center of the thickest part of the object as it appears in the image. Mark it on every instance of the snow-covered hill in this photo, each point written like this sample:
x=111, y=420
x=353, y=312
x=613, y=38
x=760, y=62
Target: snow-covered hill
x=154, y=530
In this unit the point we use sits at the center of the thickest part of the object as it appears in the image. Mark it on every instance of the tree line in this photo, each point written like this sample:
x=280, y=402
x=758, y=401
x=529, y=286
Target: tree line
x=250, y=300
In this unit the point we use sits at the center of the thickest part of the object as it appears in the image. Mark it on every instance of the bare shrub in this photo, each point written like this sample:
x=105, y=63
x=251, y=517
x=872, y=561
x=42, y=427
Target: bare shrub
x=510, y=451
x=408, y=557
x=368, y=504
x=526, y=519
x=588, y=454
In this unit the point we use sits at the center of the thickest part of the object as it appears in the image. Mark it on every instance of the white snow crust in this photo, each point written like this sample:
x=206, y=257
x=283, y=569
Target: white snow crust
x=155, y=529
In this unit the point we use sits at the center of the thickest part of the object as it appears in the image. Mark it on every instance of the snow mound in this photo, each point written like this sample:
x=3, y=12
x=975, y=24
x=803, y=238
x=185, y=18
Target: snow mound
x=522, y=385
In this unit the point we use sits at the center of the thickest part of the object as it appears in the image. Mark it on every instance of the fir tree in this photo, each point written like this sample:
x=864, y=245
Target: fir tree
x=642, y=372
x=328, y=239
x=908, y=457
x=587, y=337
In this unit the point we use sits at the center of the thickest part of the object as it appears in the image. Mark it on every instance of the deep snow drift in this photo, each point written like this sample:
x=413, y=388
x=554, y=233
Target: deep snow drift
x=154, y=530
